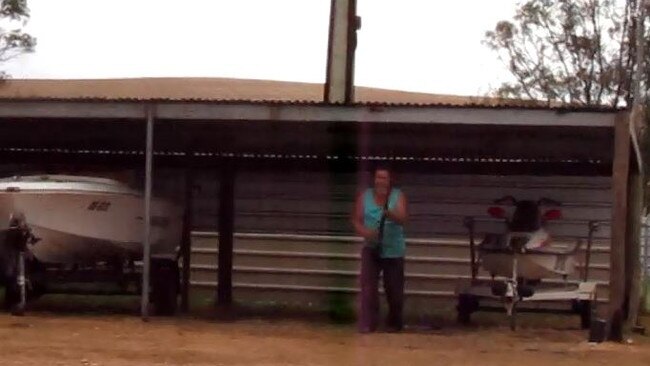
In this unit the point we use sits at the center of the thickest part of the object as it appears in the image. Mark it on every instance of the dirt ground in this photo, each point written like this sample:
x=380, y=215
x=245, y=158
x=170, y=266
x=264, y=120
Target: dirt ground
x=63, y=339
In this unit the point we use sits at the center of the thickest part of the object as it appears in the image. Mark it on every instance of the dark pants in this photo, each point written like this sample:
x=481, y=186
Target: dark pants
x=392, y=270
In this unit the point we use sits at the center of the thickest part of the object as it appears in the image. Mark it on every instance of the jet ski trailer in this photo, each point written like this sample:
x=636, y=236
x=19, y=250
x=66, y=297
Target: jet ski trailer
x=519, y=260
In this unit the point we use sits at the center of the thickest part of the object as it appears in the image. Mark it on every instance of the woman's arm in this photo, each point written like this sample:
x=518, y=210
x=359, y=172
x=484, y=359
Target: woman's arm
x=357, y=220
x=399, y=214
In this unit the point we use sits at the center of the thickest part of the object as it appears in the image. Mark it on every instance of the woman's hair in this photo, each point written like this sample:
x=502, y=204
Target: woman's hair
x=383, y=165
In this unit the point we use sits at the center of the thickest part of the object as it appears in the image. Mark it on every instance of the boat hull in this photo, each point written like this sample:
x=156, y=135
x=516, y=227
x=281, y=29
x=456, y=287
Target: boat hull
x=89, y=222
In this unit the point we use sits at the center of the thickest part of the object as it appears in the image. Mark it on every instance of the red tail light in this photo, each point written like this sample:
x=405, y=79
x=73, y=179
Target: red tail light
x=497, y=212
x=552, y=215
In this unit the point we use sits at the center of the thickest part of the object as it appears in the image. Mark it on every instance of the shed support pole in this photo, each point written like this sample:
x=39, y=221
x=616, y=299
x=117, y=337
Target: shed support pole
x=620, y=177
x=146, y=256
x=226, y=234
x=186, y=245
x=633, y=249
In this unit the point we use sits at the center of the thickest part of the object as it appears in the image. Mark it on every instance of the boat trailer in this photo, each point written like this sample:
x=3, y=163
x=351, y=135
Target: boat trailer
x=24, y=278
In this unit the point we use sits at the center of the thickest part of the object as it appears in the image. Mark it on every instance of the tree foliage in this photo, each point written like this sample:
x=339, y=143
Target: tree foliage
x=571, y=51
x=14, y=15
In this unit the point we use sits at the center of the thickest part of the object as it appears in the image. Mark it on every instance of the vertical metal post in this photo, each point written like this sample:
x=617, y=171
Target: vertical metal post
x=645, y=281
x=645, y=247
x=344, y=23
x=639, y=96
x=186, y=245
x=226, y=233
x=638, y=101
x=146, y=256
x=635, y=277
x=633, y=251
x=642, y=247
x=620, y=180
x=469, y=224
x=21, y=284
x=593, y=227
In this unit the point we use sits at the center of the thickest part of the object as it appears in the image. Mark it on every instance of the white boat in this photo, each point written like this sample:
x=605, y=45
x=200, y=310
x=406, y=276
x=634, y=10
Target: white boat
x=81, y=220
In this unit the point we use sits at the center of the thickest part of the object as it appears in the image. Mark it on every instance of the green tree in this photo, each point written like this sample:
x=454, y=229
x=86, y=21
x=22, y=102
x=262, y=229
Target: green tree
x=569, y=51
x=14, y=15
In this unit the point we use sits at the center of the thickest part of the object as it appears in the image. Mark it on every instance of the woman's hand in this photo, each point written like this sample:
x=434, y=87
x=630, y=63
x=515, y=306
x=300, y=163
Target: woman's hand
x=369, y=234
x=399, y=213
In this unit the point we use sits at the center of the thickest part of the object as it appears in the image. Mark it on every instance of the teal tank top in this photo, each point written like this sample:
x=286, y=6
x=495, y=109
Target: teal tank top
x=394, y=244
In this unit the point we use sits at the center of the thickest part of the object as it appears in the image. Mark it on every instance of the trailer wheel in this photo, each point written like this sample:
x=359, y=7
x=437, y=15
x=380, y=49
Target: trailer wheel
x=587, y=310
x=12, y=297
x=165, y=285
x=18, y=309
x=467, y=304
x=464, y=316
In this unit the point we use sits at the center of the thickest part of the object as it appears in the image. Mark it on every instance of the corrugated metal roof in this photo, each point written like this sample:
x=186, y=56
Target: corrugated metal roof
x=225, y=90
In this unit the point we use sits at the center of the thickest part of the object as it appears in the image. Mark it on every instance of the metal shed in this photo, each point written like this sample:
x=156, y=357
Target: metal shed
x=234, y=135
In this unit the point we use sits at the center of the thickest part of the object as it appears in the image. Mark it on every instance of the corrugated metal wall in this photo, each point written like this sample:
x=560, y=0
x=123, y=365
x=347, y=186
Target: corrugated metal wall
x=294, y=245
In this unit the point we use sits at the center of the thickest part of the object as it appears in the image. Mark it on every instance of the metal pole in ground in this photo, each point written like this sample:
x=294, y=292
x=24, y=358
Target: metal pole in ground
x=20, y=308
x=146, y=256
x=642, y=246
x=646, y=241
x=186, y=245
x=645, y=251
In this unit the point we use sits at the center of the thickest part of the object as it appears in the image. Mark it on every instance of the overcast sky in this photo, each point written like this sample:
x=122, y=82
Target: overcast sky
x=419, y=45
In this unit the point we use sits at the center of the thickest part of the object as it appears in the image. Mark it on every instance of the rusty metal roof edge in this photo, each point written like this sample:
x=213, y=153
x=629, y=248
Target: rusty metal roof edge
x=281, y=102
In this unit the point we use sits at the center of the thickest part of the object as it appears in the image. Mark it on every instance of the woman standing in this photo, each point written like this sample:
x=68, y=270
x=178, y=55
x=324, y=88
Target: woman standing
x=379, y=216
